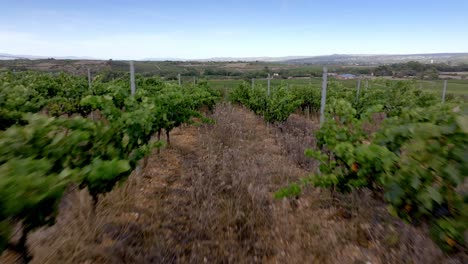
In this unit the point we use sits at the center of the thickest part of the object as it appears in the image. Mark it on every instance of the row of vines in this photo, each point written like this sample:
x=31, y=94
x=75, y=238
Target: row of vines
x=398, y=141
x=55, y=132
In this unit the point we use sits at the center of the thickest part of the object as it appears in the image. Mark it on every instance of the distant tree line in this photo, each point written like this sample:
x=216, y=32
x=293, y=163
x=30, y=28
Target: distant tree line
x=417, y=69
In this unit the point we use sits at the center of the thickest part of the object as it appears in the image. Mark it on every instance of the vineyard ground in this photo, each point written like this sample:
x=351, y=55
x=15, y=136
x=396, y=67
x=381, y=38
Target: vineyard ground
x=208, y=198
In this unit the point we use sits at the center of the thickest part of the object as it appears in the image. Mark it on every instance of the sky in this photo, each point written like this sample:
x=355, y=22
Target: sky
x=124, y=29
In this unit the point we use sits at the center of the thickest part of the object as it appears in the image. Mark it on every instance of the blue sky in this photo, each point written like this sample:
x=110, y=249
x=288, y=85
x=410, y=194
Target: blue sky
x=124, y=29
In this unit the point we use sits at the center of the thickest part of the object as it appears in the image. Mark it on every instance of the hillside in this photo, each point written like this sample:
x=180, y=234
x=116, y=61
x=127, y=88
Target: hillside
x=452, y=58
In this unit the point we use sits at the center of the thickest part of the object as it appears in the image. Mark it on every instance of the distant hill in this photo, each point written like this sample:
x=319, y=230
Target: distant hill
x=455, y=58
x=6, y=56
x=346, y=59
x=229, y=59
x=250, y=59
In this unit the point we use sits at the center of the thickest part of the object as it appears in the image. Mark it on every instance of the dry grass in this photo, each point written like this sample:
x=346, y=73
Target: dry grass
x=238, y=167
x=209, y=199
x=294, y=136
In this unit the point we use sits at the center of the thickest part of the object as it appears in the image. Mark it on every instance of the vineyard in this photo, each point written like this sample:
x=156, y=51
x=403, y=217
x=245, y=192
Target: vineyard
x=394, y=143
x=58, y=132
x=416, y=160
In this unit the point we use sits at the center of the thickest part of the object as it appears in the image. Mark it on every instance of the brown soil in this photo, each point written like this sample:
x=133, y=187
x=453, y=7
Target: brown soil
x=208, y=198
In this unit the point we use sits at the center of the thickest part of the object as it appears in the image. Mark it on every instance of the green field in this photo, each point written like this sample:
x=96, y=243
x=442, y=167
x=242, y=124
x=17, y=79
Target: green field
x=455, y=87
x=458, y=87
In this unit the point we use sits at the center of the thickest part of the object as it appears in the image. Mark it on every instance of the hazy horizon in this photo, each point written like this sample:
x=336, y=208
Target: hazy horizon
x=238, y=29
x=33, y=56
